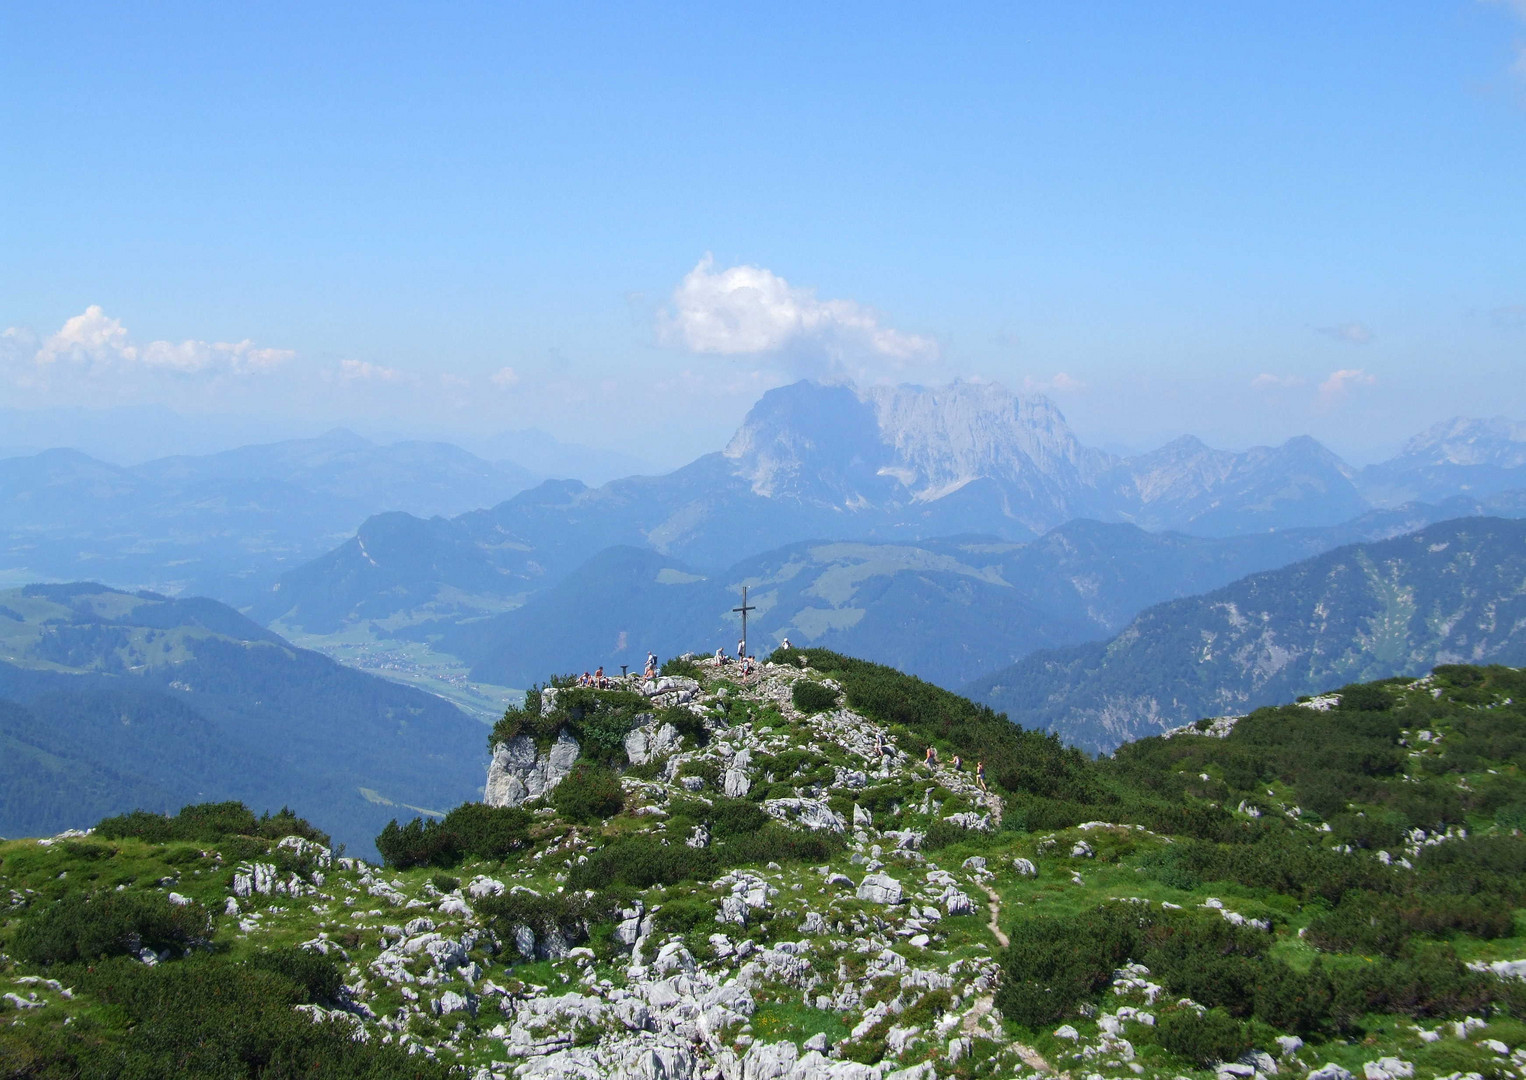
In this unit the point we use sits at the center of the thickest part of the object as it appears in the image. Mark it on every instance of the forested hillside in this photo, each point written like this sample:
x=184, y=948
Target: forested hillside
x=111, y=700
x=1448, y=593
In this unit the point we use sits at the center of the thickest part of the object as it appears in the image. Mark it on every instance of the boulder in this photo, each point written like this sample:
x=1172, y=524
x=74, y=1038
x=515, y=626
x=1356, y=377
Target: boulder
x=1331, y=1071
x=957, y=903
x=452, y=1002
x=736, y=782
x=881, y=889
x=809, y=813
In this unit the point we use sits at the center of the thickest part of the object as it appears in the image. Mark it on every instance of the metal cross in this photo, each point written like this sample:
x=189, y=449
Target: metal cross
x=744, y=609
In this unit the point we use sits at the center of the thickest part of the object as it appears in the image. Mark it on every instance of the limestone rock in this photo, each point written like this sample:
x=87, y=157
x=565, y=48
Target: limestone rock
x=1331, y=1071
x=809, y=813
x=519, y=772
x=880, y=889
x=737, y=783
x=1388, y=1068
x=646, y=743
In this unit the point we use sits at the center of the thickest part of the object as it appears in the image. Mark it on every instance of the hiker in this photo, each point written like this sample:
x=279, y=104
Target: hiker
x=599, y=680
x=651, y=661
x=651, y=669
x=930, y=759
x=980, y=774
x=741, y=648
x=720, y=657
x=958, y=763
x=879, y=743
x=585, y=680
x=784, y=644
x=747, y=666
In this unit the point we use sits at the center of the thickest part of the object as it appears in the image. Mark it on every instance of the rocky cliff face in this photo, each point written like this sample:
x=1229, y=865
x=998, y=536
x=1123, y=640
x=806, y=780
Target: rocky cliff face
x=520, y=771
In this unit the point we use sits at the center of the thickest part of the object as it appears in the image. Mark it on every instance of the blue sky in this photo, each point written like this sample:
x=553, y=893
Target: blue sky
x=623, y=223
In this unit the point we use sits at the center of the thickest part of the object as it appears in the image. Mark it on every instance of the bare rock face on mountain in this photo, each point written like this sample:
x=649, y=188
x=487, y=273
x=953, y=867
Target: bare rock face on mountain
x=1457, y=456
x=891, y=448
x=519, y=771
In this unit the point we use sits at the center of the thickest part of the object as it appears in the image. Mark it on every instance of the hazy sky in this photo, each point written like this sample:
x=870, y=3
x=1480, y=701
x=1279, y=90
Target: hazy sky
x=622, y=223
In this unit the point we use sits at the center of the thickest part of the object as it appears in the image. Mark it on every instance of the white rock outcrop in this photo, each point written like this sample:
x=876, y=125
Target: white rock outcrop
x=520, y=772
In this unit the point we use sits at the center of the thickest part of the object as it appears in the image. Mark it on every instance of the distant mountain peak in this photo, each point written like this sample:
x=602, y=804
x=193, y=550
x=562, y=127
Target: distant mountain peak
x=1498, y=441
x=858, y=447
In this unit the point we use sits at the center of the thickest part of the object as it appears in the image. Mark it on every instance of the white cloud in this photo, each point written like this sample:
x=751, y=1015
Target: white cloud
x=1340, y=383
x=504, y=378
x=96, y=341
x=749, y=310
x=1059, y=382
x=1266, y=381
x=365, y=371
x=1352, y=333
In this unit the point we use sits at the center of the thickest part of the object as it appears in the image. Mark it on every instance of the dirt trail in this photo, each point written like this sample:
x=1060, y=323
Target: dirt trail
x=982, y=1008
x=994, y=903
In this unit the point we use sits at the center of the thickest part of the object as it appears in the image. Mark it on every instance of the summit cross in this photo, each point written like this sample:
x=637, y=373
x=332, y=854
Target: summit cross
x=744, y=609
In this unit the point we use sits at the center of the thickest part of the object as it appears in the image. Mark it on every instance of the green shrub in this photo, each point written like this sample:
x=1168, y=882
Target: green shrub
x=421, y=842
x=85, y=927
x=812, y=697
x=1205, y=1039
x=940, y=834
x=525, y=720
x=641, y=862
x=317, y=975
x=489, y=832
x=601, y=719
x=686, y=723
x=1294, y=1001
x=682, y=914
x=471, y=829
x=445, y=883
x=1053, y=964
x=589, y=793
x=208, y=822
x=734, y=817
x=566, y=913
x=206, y=1017
x=680, y=667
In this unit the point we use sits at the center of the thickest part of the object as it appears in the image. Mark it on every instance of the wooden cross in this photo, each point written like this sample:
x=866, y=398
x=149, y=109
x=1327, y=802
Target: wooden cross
x=744, y=609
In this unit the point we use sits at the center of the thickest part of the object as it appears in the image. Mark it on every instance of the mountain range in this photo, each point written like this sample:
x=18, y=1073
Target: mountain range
x=950, y=530
x=224, y=524
x=925, y=501
x=111, y=701
x=948, y=610
x=884, y=464
x=1454, y=592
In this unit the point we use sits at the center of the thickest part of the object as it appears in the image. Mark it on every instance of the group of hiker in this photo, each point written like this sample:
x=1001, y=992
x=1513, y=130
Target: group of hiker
x=721, y=659
x=599, y=681
x=930, y=759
